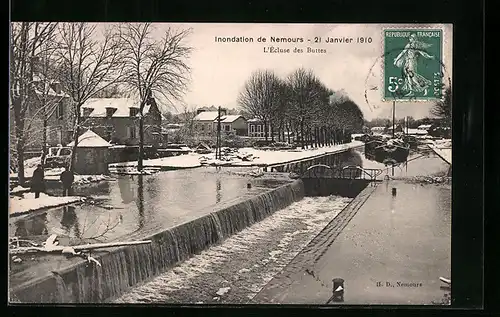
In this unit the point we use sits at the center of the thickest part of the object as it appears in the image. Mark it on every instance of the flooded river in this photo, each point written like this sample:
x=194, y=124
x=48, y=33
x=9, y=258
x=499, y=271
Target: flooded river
x=133, y=203
x=241, y=267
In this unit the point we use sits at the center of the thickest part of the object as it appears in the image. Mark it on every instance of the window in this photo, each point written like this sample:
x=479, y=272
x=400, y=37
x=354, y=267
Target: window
x=133, y=111
x=252, y=128
x=109, y=112
x=131, y=133
x=258, y=128
x=227, y=127
x=60, y=111
x=109, y=132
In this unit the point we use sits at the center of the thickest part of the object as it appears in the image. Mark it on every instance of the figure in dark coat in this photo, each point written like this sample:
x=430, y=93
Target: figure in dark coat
x=38, y=181
x=67, y=179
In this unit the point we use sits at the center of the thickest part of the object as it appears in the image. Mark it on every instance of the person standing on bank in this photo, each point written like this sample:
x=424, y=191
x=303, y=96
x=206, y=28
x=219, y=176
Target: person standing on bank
x=67, y=179
x=38, y=181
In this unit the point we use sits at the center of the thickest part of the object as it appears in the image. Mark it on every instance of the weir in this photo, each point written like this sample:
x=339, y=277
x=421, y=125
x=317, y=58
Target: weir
x=125, y=267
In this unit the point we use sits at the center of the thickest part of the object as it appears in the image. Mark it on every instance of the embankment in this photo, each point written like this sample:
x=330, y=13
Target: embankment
x=125, y=267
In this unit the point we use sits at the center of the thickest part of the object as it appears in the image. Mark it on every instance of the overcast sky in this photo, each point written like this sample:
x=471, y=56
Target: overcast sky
x=219, y=70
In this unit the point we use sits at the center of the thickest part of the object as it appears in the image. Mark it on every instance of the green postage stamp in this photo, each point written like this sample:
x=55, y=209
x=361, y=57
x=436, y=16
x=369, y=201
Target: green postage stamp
x=412, y=66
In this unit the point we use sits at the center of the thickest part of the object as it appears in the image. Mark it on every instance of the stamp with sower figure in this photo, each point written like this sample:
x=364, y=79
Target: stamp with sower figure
x=412, y=64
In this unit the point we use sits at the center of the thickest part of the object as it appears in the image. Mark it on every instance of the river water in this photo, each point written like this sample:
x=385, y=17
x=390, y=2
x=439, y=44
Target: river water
x=235, y=271
x=133, y=203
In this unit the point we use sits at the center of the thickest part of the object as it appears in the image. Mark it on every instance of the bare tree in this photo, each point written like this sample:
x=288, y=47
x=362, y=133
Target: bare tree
x=154, y=67
x=305, y=91
x=113, y=91
x=442, y=108
x=48, y=93
x=26, y=39
x=260, y=96
x=87, y=66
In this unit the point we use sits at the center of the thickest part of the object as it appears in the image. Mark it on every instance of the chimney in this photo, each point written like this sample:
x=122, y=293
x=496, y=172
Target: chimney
x=87, y=111
x=133, y=111
x=198, y=111
x=110, y=111
x=56, y=86
x=223, y=112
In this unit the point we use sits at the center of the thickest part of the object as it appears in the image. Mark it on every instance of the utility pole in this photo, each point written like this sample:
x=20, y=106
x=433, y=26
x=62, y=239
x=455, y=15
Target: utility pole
x=217, y=150
x=393, y=117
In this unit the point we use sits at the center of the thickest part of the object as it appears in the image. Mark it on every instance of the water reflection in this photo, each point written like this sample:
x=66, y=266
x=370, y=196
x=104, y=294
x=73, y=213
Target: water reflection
x=143, y=203
x=218, y=191
x=69, y=221
x=126, y=191
x=34, y=226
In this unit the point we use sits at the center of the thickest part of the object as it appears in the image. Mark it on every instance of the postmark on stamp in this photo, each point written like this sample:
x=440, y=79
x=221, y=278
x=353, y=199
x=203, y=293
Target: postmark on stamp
x=412, y=65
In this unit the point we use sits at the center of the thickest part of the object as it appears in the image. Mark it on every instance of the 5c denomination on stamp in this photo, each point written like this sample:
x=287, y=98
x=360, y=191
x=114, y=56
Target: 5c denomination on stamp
x=412, y=64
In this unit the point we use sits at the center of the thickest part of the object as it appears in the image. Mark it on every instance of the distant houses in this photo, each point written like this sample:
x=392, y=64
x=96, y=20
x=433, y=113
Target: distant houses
x=116, y=120
x=205, y=123
x=257, y=128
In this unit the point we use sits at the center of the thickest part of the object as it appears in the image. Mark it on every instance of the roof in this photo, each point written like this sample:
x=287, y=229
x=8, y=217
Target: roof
x=254, y=120
x=424, y=126
x=229, y=118
x=122, y=106
x=417, y=131
x=206, y=116
x=91, y=139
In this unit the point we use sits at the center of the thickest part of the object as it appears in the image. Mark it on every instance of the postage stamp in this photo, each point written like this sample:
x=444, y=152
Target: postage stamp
x=412, y=64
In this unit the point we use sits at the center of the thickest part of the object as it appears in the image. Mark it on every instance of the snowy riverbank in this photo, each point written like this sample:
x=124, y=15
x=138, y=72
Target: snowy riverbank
x=276, y=157
x=19, y=205
x=256, y=157
x=174, y=162
x=443, y=148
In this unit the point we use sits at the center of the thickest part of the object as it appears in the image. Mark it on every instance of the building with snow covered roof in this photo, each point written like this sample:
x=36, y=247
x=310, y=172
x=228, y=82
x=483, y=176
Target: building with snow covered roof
x=116, y=120
x=92, y=154
x=236, y=124
x=203, y=121
x=53, y=106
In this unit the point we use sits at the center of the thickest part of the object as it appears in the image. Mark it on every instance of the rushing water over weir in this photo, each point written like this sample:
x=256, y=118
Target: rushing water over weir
x=127, y=266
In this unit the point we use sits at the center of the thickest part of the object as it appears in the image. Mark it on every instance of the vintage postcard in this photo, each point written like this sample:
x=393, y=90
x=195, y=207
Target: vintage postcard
x=170, y=163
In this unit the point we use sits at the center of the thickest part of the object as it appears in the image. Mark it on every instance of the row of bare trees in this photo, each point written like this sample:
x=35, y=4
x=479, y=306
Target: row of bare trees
x=300, y=104
x=87, y=59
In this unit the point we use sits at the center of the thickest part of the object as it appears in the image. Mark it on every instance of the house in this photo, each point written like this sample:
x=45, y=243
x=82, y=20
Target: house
x=416, y=132
x=116, y=120
x=92, y=154
x=51, y=105
x=256, y=128
x=203, y=123
x=378, y=130
x=232, y=124
x=397, y=128
x=425, y=127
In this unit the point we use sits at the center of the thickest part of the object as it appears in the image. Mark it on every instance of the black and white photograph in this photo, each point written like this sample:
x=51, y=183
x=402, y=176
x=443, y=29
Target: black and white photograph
x=230, y=163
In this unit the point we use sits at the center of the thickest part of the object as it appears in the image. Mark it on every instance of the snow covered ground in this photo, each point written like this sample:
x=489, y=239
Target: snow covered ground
x=27, y=202
x=274, y=157
x=443, y=149
x=181, y=161
x=258, y=157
